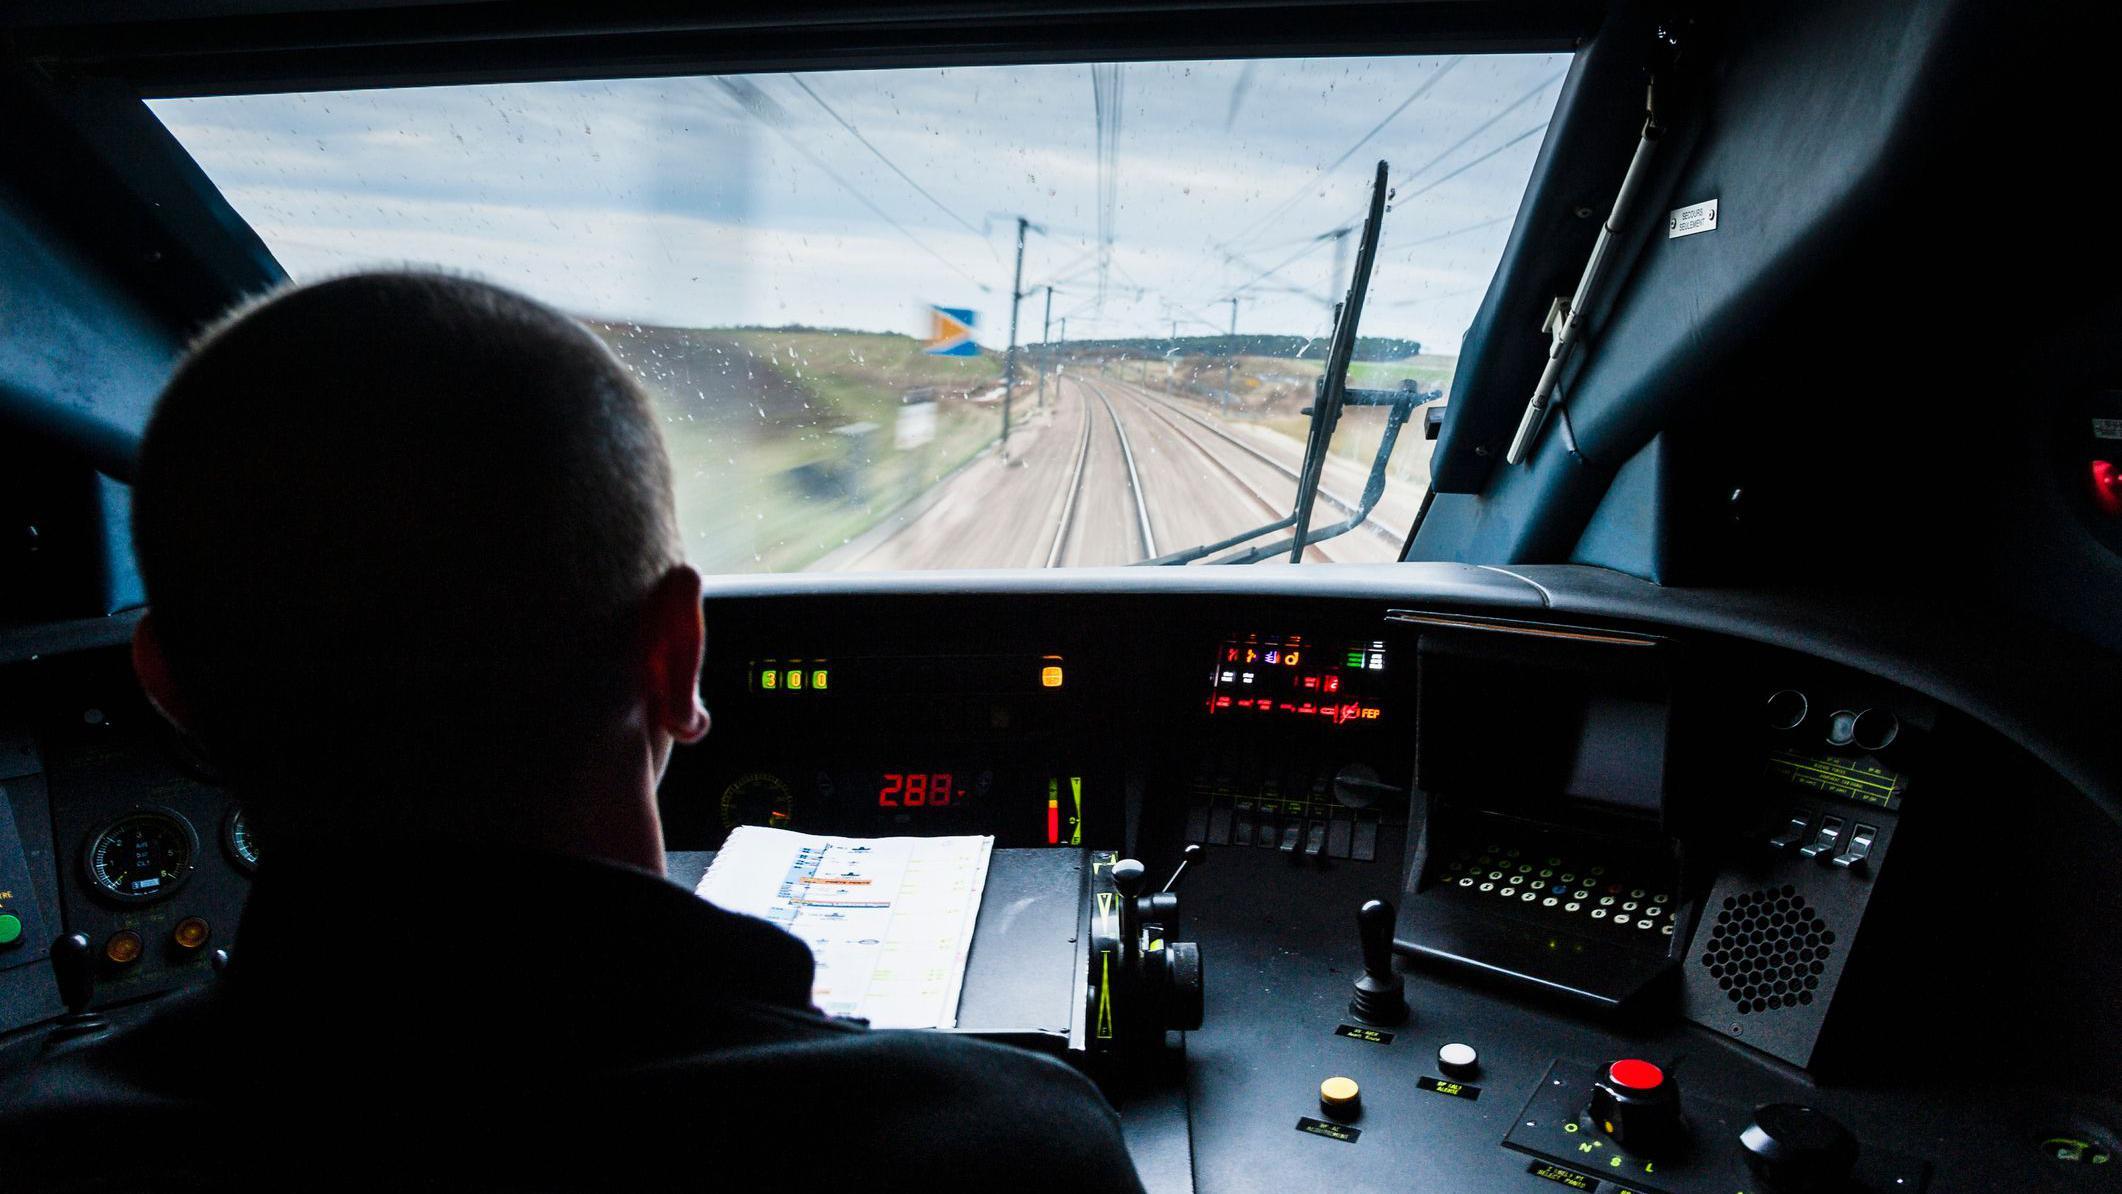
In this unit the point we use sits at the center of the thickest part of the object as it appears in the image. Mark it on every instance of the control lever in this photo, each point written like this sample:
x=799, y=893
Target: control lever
x=1162, y=908
x=1142, y=982
x=1381, y=993
x=74, y=966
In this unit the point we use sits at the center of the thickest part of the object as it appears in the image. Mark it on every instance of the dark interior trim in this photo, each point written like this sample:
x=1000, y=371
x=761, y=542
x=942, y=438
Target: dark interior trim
x=325, y=46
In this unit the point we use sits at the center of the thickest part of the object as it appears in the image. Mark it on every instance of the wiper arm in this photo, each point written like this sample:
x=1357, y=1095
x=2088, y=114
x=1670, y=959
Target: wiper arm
x=1331, y=396
x=1400, y=405
x=1333, y=388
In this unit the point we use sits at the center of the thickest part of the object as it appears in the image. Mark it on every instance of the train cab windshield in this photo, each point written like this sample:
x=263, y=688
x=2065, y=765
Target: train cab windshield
x=812, y=273
x=645, y=596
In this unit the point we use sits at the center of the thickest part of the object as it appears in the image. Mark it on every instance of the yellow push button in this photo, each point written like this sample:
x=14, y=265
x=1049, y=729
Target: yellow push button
x=1340, y=1096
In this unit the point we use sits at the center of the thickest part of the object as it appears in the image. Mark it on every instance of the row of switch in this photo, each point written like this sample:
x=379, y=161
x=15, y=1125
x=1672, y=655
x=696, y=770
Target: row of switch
x=1824, y=840
x=1324, y=833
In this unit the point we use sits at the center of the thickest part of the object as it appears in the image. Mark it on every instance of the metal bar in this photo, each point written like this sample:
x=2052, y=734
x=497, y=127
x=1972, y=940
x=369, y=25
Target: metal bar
x=1195, y=553
x=1571, y=315
x=1326, y=409
x=1009, y=362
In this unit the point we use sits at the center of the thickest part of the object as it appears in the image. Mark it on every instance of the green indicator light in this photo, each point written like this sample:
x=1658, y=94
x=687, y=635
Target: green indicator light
x=769, y=679
x=795, y=679
x=817, y=679
x=10, y=928
x=1355, y=659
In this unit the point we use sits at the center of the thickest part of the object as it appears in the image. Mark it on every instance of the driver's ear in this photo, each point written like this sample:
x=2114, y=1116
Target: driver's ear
x=152, y=667
x=677, y=642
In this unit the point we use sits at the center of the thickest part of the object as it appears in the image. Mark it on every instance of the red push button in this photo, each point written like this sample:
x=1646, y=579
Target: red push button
x=1635, y=1075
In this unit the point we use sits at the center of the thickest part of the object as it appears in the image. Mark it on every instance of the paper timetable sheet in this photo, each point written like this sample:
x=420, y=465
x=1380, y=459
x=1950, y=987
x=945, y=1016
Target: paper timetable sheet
x=889, y=920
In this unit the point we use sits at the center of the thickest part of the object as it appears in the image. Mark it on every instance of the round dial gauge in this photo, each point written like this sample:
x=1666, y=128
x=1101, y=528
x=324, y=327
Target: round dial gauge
x=760, y=798
x=144, y=855
x=242, y=847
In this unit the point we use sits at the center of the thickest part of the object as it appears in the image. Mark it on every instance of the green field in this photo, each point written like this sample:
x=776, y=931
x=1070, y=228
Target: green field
x=782, y=441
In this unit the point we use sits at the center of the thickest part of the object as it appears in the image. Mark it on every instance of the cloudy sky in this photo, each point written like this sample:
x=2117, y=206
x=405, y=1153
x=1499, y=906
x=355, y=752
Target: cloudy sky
x=852, y=199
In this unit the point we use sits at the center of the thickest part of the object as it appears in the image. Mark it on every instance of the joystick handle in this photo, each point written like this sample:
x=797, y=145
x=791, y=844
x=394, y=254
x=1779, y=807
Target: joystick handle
x=1381, y=993
x=74, y=965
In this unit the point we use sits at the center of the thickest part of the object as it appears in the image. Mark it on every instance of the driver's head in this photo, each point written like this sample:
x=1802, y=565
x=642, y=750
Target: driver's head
x=409, y=549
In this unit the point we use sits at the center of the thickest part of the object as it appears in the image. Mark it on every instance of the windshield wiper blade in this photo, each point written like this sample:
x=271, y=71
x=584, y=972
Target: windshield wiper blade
x=1329, y=398
x=1333, y=388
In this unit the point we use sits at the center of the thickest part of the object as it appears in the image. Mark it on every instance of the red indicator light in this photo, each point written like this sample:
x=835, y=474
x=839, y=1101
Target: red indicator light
x=2107, y=488
x=1222, y=702
x=1311, y=681
x=1333, y=683
x=1230, y=655
x=1053, y=820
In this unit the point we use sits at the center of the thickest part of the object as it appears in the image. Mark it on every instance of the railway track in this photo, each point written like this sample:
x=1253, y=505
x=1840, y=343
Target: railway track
x=1370, y=522
x=1072, y=504
x=1269, y=508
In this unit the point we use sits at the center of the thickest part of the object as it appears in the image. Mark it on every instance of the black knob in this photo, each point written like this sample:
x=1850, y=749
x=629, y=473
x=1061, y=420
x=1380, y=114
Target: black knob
x=1185, y=985
x=1127, y=877
x=1380, y=994
x=1797, y=1150
x=1638, y=1105
x=74, y=965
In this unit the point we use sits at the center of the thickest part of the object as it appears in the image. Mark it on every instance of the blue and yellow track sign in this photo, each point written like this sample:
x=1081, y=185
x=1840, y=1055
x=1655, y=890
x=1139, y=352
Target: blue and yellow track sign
x=950, y=333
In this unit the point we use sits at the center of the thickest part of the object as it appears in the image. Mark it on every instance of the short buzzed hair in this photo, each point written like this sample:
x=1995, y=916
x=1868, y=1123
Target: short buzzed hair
x=396, y=520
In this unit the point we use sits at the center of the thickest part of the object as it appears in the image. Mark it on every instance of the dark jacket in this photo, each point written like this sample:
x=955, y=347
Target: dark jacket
x=494, y=1020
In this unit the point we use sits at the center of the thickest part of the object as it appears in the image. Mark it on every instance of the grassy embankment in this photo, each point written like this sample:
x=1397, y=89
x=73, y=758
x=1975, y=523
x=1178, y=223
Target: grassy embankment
x=783, y=441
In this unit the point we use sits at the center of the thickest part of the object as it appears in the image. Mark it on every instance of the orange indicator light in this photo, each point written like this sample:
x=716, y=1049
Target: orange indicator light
x=124, y=947
x=1050, y=676
x=191, y=932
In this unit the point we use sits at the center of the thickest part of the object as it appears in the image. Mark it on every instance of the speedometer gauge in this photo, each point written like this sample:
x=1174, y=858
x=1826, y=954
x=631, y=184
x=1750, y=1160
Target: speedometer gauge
x=242, y=847
x=760, y=798
x=144, y=855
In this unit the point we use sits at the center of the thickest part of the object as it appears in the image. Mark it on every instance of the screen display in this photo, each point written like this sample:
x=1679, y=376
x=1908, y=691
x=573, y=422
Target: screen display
x=921, y=789
x=1290, y=677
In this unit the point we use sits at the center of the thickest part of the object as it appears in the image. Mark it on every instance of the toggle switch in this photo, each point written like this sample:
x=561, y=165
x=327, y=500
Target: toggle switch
x=1315, y=839
x=1825, y=840
x=1792, y=834
x=1860, y=843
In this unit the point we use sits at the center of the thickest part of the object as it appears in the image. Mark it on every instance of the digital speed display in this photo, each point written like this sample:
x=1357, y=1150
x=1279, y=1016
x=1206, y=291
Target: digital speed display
x=1290, y=677
x=925, y=789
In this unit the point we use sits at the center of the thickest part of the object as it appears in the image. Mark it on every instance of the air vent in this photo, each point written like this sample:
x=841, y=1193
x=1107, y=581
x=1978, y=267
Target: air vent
x=1766, y=950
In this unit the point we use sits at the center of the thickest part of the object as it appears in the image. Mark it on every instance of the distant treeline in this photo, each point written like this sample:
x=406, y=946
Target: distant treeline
x=1368, y=348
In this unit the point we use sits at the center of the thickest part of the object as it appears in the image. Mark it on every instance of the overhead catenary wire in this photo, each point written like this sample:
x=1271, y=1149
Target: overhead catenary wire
x=1438, y=182
x=763, y=108
x=856, y=133
x=1420, y=91
x=1416, y=173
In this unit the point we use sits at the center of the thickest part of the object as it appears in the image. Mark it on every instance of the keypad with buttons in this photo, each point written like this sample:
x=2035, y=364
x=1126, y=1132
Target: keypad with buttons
x=1584, y=890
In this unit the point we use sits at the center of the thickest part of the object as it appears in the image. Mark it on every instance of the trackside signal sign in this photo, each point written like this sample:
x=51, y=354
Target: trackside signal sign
x=950, y=333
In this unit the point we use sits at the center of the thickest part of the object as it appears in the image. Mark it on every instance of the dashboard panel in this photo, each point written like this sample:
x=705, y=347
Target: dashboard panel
x=1774, y=878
